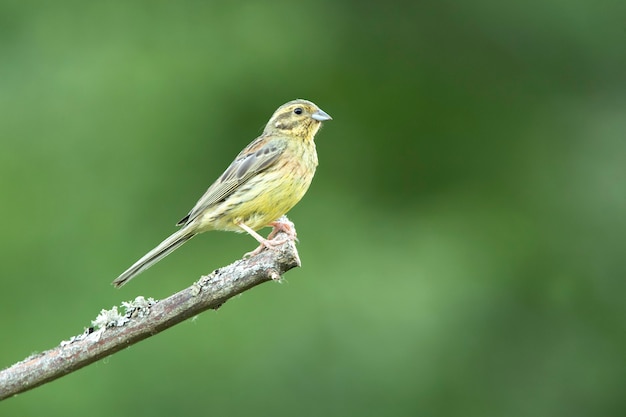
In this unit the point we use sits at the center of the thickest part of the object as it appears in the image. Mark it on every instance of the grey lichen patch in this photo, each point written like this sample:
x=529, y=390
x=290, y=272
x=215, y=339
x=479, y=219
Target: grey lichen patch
x=209, y=281
x=137, y=308
x=109, y=318
x=196, y=289
x=79, y=337
x=140, y=307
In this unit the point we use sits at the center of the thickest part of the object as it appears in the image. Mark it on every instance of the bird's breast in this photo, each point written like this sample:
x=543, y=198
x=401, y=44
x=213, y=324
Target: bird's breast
x=267, y=195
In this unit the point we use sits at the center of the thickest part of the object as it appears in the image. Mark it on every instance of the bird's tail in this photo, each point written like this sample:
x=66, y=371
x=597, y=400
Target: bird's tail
x=155, y=255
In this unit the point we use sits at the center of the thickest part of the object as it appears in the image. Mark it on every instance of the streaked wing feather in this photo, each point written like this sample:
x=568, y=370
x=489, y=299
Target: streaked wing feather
x=257, y=157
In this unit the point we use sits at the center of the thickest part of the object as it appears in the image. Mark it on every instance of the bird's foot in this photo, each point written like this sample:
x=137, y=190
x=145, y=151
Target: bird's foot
x=265, y=244
x=282, y=225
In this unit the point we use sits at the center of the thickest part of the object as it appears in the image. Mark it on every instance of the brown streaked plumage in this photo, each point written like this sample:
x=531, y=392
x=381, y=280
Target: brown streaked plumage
x=262, y=184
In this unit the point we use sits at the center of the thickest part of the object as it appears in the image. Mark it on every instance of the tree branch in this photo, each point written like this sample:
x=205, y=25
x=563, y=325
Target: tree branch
x=112, y=331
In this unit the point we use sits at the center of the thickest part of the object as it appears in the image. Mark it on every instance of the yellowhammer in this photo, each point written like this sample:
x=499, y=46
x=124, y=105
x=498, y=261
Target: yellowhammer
x=262, y=184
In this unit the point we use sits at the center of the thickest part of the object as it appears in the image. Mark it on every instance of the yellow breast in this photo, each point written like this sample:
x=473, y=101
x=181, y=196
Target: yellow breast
x=268, y=195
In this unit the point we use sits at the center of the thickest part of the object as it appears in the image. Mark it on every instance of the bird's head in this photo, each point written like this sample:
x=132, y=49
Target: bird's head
x=300, y=118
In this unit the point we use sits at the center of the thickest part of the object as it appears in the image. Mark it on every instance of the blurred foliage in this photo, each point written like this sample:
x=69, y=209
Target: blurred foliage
x=462, y=243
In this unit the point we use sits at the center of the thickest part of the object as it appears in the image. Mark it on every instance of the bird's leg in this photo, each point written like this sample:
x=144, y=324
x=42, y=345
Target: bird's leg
x=264, y=243
x=281, y=225
x=254, y=234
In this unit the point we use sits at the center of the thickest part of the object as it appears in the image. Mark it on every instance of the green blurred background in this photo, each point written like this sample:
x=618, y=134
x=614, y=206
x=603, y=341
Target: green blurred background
x=462, y=243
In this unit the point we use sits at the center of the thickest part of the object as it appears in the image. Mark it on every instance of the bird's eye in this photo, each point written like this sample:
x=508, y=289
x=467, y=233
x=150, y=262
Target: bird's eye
x=298, y=110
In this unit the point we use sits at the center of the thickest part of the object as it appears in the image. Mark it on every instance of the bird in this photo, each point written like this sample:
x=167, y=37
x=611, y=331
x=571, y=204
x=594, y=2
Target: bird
x=265, y=180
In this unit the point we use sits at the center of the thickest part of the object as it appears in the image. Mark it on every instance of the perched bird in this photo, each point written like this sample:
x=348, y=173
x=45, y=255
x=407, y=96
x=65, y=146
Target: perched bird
x=262, y=184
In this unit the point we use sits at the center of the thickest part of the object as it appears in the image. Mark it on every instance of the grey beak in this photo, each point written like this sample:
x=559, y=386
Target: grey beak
x=320, y=115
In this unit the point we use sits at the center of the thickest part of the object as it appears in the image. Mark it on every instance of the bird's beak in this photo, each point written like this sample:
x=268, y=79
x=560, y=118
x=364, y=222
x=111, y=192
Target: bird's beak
x=320, y=115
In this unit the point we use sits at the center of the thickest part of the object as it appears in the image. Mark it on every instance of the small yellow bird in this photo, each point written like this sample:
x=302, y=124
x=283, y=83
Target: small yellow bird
x=262, y=184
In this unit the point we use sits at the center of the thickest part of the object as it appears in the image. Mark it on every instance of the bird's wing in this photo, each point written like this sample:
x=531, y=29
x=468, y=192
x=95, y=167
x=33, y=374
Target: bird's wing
x=255, y=158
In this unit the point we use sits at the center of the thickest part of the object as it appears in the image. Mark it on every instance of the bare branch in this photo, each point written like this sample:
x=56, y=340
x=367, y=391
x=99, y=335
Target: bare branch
x=144, y=318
